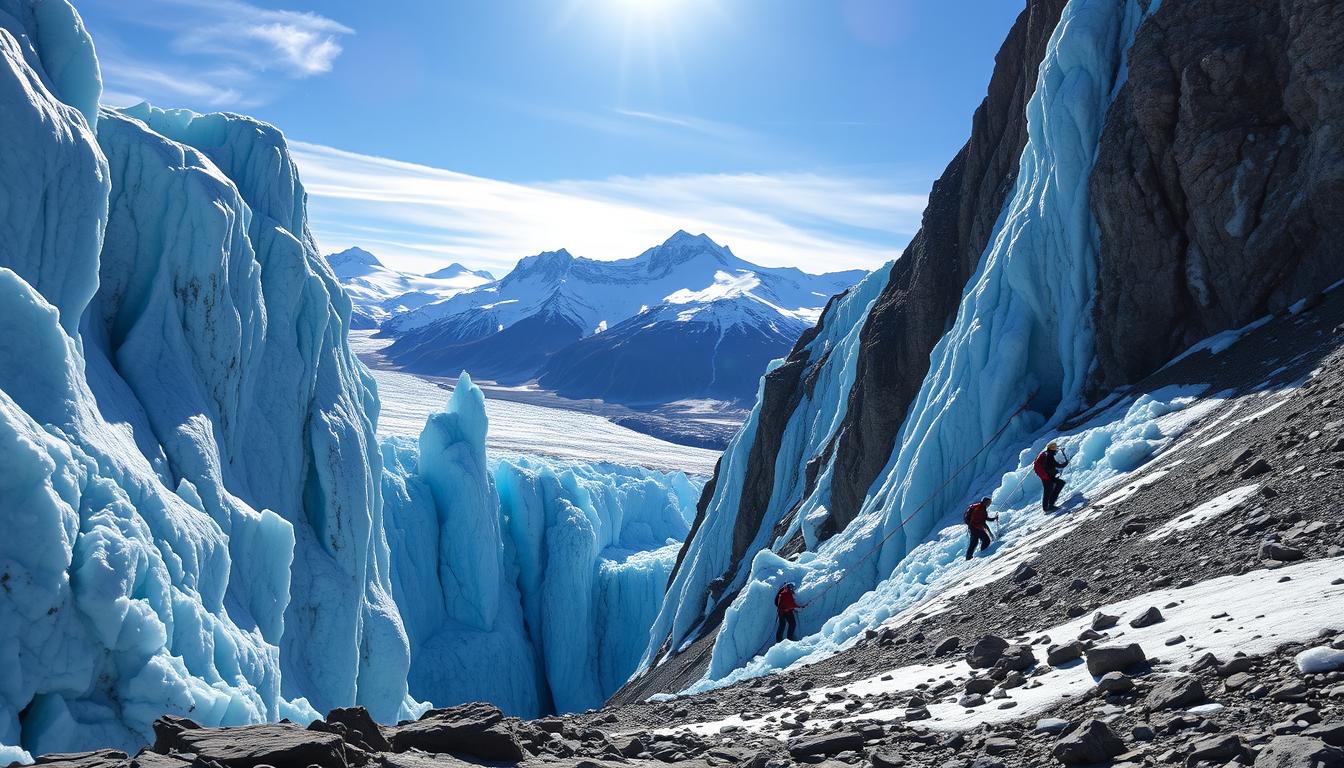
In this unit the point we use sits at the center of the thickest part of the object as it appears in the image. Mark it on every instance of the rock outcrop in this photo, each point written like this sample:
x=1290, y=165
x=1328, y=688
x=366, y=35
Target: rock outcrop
x=1219, y=183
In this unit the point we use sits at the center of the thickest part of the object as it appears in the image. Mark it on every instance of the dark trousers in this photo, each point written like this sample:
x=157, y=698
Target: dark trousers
x=979, y=537
x=1052, y=489
x=787, y=622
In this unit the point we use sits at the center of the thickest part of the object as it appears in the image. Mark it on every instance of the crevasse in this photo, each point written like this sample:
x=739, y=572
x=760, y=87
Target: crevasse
x=1022, y=331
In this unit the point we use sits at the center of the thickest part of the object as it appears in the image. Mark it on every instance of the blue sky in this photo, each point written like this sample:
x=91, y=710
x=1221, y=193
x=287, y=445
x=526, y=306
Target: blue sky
x=802, y=132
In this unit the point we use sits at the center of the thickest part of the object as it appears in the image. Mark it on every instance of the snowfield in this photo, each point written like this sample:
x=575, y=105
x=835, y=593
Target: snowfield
x=525, y=429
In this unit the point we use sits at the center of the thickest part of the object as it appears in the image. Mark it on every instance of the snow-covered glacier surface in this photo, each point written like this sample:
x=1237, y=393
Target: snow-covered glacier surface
x=199, y=517
x=1022, y=337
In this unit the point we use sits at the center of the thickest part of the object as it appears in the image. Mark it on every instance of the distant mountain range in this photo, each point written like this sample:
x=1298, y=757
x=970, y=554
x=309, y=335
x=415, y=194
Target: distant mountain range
x=686, y=320
x=378, y=293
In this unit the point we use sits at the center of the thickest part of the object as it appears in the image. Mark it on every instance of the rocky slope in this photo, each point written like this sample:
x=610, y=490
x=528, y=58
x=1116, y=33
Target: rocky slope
x=1128, y=637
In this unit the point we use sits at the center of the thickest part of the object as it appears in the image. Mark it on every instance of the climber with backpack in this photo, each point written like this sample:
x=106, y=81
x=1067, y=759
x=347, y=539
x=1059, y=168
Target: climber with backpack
x=786, y=605
x=977, y=524
x=1047, y=467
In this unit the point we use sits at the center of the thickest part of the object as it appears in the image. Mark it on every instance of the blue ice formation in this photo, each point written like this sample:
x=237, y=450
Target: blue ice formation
x=1023, y=327
x=535, y=583
x=192, y=491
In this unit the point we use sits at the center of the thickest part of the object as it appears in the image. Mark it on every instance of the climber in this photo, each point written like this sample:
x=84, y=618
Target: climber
x=787, y=606
x=977, y=524
x=1047, y=468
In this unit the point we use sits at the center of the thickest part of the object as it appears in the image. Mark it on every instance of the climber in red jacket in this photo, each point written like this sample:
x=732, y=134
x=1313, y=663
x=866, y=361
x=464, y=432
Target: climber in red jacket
x=977, y=524
x=1047, y=467
x=786, y=605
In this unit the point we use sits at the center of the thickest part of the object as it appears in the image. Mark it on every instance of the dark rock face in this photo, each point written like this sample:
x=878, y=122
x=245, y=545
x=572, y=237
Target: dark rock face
x=920, y=300
x=1219, y=185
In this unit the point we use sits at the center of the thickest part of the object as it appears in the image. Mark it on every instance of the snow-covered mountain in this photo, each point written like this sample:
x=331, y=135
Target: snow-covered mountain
x=511, y=330
x=378, y=293
x=689, y=347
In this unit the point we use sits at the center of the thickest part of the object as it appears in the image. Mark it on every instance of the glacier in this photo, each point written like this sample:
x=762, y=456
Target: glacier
x=1012, y=367
x=553, y=569
x=202, y=518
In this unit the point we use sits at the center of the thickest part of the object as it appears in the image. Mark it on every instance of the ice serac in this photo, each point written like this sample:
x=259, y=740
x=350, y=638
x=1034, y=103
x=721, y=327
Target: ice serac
x=537, y=596
x=49, y=161
x=308, y=427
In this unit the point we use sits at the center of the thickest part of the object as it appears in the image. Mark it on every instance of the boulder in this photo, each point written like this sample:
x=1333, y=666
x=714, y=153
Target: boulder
x=360, y=729
x=275, y=744
x=949, y=645
x=826, y=744
x=475, y=729
x=1179, y=691
x=1215, y=749
x=1148, y=618
x=986, y=652
x=1104, y=621
x=1299, y=752
x=102, y=758
x=1115, y=658
x=1016, y=658
x=1063, y=654
x=1092, y=742
x=1272, y=550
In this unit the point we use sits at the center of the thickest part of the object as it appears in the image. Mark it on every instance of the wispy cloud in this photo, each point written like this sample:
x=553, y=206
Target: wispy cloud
x=419, y=217
x=225, y=53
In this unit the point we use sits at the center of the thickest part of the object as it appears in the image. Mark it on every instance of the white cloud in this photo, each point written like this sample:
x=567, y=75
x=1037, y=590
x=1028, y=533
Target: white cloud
x=226, y=54
x=419, y=218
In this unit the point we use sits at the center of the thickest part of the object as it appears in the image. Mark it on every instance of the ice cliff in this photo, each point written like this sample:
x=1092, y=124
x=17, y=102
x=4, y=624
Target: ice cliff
x=1025, y=289
x=193, y=493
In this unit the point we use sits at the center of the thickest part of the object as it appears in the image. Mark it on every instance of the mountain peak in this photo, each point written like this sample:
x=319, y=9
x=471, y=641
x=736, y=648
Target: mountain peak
x=546, y=262
x=456, y=269
x=353, y=257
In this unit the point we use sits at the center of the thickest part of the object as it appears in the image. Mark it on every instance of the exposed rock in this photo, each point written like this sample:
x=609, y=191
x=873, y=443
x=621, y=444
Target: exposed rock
x=1299, y=752
x=1179, y=691
x=1148, y=618
x=1063, y=654
x=986, y=651
x=253, y=745
x=471, y=729
x=1092, y=742
x=1272, y=550
x=826, y=744
x=361, y=730
x=102, y=758
x=1216, y=188
x=1117, y=658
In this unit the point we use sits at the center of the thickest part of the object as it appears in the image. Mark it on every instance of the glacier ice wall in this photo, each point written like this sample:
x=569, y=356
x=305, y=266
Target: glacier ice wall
x=200, y=513
x=811, y=426
x=1021, y=333
x=534, y=583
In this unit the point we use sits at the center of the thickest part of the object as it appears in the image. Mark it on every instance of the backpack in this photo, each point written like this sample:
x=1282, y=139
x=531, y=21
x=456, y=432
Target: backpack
x=969, y=515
